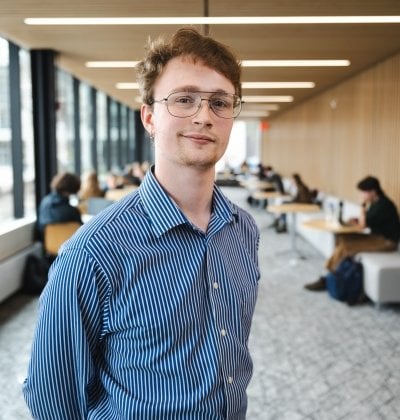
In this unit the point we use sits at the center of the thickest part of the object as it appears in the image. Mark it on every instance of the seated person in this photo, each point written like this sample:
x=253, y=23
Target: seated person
x=302, y=192
x=133, y=174
x=114, y=182
x=380, y=215
x=90, y=187
x=276, y=180
x=55, y=206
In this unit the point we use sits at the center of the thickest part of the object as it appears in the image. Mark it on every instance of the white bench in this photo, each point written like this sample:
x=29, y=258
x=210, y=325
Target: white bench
x=381, y=276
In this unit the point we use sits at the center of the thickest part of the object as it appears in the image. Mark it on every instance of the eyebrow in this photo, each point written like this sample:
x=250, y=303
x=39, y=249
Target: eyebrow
x=196, y=89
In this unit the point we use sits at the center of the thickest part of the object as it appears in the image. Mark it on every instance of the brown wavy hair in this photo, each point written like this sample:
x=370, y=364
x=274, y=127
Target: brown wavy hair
x=186, y=42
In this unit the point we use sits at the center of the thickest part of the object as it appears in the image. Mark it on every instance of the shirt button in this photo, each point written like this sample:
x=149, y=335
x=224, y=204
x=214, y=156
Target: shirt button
x=223, y=333
x=216, y=285
x=230, y=379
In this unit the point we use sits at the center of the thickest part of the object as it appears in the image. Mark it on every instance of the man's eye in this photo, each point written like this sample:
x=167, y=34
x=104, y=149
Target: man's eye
x=221, y=103
x=184, y=100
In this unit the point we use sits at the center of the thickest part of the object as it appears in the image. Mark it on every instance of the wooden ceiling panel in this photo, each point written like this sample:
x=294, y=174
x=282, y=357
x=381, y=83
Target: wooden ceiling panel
x=364, y=45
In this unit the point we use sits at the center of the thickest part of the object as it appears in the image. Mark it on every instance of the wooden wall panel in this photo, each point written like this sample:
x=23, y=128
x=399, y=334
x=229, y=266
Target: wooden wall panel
x=342, y=135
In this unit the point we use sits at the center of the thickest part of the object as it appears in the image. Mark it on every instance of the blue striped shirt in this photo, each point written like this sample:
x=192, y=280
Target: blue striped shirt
x=147, y=317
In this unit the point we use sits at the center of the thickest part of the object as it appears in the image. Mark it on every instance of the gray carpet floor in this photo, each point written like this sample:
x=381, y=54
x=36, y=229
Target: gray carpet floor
x=314, y=358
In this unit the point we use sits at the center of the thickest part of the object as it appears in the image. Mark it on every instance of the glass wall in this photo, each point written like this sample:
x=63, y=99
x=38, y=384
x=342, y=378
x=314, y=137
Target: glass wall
x=27, y=132
x=101, y=103
x=114, y=134
x=65, y=129
x=85, y=129
x=124, y=136
x=6, y=175
x=108, y=130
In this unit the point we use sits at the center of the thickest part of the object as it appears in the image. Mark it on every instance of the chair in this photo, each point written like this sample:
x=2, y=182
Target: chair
x=56, y=234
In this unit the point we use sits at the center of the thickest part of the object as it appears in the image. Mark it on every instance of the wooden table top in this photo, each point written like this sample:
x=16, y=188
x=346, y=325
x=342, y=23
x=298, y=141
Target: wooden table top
x=255, y=184
x=265, y=195
x=294, y=208
x=331, y=226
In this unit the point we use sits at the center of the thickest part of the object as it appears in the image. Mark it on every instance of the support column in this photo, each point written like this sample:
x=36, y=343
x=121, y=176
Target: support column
x=44, y=119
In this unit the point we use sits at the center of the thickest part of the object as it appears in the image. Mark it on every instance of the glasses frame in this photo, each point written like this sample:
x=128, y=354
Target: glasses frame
x=235, y=97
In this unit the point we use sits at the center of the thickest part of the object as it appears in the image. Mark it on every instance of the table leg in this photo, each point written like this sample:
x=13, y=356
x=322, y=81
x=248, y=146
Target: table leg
x=293, y=233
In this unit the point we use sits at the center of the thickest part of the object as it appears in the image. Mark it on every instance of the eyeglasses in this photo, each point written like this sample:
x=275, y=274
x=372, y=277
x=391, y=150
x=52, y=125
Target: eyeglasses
x=187, y=104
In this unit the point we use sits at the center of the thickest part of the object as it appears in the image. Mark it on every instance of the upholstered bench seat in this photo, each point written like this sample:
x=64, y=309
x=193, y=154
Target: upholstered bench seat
x=381, y=276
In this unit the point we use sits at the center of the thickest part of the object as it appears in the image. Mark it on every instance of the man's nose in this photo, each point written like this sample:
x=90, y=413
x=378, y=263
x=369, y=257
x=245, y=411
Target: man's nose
x=204, y=109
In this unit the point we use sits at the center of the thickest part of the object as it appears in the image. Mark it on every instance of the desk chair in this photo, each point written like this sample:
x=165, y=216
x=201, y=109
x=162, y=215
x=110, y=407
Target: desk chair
x=56, y=234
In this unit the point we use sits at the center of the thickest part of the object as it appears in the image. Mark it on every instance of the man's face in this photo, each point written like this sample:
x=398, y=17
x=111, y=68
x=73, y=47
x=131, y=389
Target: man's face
x=198, y=141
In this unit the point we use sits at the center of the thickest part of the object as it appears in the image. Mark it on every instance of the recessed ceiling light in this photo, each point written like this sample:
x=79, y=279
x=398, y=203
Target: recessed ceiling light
x=295, y=63
x=111, y=64
x=127, y=85
x=267, y=98
x=262, y=106
x=245, y=63
x=212, y=20
x=254, y=114
x=245, y=85
x=278, y=85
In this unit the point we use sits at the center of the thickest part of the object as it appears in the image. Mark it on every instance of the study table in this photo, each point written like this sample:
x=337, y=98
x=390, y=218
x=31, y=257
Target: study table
x=268, y=195
x=332, y=226
x=255, y=184
x=293, y=209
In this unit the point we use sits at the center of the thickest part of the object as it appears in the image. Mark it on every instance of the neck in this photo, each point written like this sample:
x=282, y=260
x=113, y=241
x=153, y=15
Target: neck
x=191, y=189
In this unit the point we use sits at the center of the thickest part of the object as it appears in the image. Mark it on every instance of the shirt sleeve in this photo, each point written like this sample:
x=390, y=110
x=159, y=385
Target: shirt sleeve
x=62, y=379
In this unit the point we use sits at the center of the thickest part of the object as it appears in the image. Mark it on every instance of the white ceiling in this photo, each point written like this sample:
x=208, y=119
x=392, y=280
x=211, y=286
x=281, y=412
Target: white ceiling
x=362, y=44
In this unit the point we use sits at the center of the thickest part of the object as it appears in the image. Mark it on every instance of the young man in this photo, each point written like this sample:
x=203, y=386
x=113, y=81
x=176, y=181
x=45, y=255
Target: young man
x=148, y=308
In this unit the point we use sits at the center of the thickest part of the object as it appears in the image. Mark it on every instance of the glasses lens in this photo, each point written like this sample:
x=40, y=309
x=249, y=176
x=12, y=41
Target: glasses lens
x=225, y=105
x=187, y=104
x=183, y=104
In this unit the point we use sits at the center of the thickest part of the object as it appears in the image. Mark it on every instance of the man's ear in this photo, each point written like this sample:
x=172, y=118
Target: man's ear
x=146, y=114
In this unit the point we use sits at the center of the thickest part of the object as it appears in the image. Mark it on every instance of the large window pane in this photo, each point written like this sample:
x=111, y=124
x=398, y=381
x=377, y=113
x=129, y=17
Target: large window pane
x=86, y=132
x=102, y=133
x=27, y=132
x=65, y=122
x=124, y=136
x=114, y=137
x=6, y=201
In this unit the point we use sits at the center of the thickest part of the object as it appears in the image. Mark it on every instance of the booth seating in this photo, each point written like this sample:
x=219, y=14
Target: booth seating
x=381, y=276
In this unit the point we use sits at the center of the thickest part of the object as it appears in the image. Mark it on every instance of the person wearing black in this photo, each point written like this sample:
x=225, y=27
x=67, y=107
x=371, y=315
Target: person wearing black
x=380, y=215
x=276, y=181
x=55, y=206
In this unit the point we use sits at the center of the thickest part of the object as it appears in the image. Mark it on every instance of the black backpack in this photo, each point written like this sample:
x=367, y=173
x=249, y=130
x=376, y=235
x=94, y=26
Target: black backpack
x=35, y=274
x=346, y=283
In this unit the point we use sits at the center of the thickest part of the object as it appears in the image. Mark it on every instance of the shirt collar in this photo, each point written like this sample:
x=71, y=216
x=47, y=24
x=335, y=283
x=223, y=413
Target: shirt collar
x=164, y=214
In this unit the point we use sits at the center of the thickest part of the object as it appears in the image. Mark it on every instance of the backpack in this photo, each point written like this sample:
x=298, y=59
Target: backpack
x=346, y=283
x=35, y=274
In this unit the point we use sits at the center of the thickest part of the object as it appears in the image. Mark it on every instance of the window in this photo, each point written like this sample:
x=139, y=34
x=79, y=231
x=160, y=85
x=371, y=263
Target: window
x=27, y=133
x=6, y=184
x=86, y=132
x=114, y=136
x=65, y=122
x=102, y=133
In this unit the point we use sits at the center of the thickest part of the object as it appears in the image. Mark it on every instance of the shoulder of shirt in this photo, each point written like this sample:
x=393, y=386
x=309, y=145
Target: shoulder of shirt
x=101, y=225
